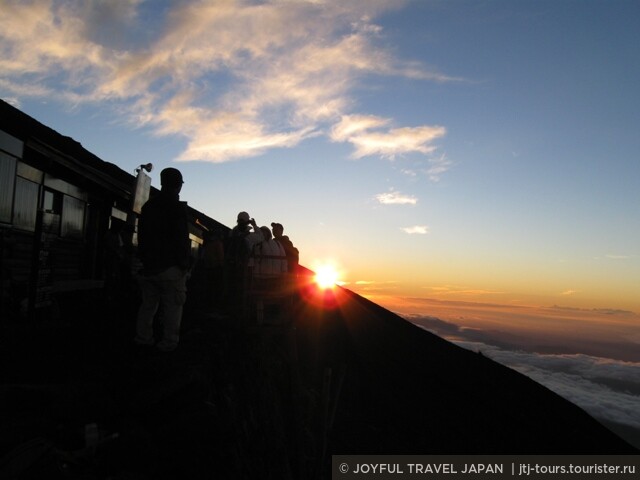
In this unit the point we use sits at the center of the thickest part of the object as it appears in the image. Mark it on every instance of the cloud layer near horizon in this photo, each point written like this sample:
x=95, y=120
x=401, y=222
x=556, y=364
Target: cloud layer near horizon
x=234, y=78
x=607, y=389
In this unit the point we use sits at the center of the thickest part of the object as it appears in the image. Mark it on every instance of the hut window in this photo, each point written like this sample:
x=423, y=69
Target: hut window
x=25, y=204
x=73, y=214
x=7, y=178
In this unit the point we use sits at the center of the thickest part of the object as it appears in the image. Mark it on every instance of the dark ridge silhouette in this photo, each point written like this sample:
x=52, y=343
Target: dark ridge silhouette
x=437, y=397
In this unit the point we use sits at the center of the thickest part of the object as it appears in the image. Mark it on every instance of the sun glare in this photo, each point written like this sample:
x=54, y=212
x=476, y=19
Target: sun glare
x=326, y=276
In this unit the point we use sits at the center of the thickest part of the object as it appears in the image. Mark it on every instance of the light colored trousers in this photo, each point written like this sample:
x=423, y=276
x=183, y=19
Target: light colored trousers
x=168, y=291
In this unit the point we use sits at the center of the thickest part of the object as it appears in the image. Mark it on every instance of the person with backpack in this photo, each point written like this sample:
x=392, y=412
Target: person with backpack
x=291, y=283
x=291, y=252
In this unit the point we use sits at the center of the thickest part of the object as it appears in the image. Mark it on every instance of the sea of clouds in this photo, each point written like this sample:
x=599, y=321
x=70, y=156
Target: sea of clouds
x=608, y=389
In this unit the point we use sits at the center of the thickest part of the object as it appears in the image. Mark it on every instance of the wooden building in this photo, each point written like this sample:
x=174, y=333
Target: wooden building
x=57, y=203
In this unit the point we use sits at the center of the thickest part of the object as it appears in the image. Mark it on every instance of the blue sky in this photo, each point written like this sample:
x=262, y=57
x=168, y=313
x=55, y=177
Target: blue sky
x=482, y=151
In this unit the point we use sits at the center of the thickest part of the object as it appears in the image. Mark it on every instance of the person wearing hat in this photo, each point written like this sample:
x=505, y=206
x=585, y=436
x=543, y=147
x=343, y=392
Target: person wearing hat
x=237, y=248
x=292, y=252
x=165, y=251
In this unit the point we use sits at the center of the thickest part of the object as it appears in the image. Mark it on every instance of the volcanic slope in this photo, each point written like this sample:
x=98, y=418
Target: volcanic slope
x=404, y=390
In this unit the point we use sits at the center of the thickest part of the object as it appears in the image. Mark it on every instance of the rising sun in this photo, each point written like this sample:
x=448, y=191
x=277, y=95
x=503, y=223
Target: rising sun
x=326, y=276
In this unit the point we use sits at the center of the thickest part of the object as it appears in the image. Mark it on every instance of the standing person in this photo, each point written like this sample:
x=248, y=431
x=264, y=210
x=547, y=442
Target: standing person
x=292, y=253
x=268, y=258
x=268, y=264
x=243, y=228
x=237, y=248
x=164, y=249
x=290, y=284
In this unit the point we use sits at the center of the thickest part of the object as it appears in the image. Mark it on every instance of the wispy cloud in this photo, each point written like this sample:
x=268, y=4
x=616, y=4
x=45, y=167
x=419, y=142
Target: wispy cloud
x=569, y=292
x=369, y=136
x=376, y=283
x=416, y=230
x=458, y=290
x=437, y=166
x=233, y=78
x=409, y=172
x=433, y=167
x=396, y=198
x=373, y=288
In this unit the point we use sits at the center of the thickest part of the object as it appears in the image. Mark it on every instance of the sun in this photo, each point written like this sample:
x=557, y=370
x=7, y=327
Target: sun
x=326, y=277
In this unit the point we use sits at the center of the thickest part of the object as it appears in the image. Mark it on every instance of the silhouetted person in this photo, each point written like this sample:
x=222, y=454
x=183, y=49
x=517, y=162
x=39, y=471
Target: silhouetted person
x=243, y=225
x=291, y=252
x=237, y=248
x=268, y=264
x=247, y=229
x=164, y=249
x=268, y=259
x=290, y=283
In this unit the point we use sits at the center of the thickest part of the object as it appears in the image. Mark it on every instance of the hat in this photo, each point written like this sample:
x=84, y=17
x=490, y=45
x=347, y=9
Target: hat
x=244, y=217
x=277, y=225
x=171, y=177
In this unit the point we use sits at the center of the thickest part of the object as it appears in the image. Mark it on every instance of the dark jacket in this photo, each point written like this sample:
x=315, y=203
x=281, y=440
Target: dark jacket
x=163, y=234
x=291, y=252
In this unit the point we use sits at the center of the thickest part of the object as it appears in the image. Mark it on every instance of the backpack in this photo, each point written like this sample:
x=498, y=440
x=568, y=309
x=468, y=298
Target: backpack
x=292, y=253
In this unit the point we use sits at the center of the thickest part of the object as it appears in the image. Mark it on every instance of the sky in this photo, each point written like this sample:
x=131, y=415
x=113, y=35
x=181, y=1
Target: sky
x=459, y=150
x=481, y=151
x=470, y=161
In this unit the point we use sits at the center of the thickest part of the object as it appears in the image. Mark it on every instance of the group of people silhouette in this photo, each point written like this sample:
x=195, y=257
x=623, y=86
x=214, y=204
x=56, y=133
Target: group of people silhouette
x=244, y=266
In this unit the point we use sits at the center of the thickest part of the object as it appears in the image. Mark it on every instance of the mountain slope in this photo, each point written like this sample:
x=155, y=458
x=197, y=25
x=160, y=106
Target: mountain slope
x=409, y=391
